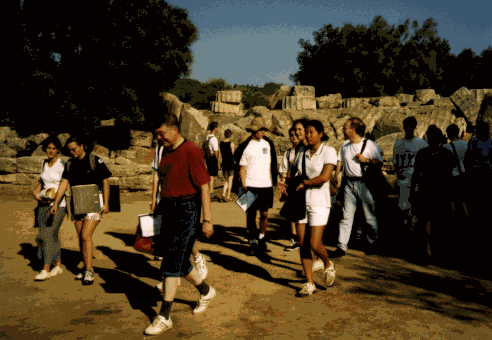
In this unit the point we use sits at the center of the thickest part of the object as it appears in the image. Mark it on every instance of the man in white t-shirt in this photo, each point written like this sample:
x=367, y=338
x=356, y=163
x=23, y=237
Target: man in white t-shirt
x=212, y=159
x=258, y=174
x=355, y=189
x=404, y=152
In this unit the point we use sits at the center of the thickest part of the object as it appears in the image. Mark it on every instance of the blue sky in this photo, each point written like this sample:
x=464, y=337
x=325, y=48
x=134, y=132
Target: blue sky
x=255, y=42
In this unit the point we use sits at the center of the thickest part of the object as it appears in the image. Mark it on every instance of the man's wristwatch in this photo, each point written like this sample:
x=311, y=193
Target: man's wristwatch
x=208, y=221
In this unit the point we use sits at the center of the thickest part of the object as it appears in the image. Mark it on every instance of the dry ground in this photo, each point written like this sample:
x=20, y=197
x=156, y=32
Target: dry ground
x=373, y=297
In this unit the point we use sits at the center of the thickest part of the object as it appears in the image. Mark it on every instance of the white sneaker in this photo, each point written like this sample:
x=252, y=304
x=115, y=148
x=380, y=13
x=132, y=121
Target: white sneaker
x=79, y=276
x=204, y=301
x=160, y=285
x=56, y=271
x=43, y=275
x=307, y=289
x=158, y=325
x=201, y=267
x=317, y=265
x=330, y=274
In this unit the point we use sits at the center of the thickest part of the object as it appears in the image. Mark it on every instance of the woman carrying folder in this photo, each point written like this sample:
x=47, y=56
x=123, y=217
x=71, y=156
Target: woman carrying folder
x=85, y=168
x=49, y=249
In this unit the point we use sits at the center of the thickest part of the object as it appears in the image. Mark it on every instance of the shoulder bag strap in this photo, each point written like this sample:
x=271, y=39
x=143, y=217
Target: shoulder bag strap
x=456, y=158
x=361, y=151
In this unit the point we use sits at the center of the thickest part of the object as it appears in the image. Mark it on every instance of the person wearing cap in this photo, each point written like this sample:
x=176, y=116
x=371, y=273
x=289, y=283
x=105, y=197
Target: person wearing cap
x=257, y=161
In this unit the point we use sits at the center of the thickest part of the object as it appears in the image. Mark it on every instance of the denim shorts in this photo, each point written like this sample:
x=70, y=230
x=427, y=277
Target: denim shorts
x=180, y=217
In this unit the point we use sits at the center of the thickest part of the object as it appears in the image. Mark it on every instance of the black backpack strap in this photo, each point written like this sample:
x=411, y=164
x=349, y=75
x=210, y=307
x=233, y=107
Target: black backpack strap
x=456, y=158
x=361, y=151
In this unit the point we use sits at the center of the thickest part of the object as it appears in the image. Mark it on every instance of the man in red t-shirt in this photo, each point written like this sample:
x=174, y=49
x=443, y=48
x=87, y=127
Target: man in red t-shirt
x=183, y=180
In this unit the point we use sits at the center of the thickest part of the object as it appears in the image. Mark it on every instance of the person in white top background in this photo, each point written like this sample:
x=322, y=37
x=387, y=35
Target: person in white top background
x=320, y=162
x=404, y=153
x=212, y=156
x=355, y=190
x=48, y=241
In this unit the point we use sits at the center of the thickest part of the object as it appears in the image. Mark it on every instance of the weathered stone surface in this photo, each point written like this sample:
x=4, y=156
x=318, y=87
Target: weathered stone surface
x=263, y=112
x=415, y=103
x=7, y=152
x=303, y=91
x=39, y=138
x=299, y=103
x=107, y=122
x=25, y=179
x=236, y=132
x=467, y=103
x=229, y=97
x=7, y=133
x=385, y=101
x=485, y=113
x=281, y=123
x=10, y=178
x=425, y=95
x=219, y=107
x=332, y=101
x=39, y=151
x=30, y=165
x=141, y=138
x=101, y=150
x=141, y=151
x=125, y=170
x=442, y=102
x=17, y=144
x=404, y=98
x=129, y=154
x=173, y=103
x=63, y=137
x=244, y=123
x=8, y=165
x=194, y=124
x=275, y=101
x=139, y=182
x=387, y=143
x=358, y=102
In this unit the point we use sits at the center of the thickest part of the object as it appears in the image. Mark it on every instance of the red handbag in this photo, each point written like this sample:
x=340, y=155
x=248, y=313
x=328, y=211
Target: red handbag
x=143, y=244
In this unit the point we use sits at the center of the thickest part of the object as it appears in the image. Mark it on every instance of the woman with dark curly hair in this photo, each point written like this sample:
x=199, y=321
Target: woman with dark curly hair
x=49, y=248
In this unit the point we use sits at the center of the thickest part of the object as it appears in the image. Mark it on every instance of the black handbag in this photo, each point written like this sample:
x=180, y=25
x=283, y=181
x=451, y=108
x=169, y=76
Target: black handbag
x=294, y=208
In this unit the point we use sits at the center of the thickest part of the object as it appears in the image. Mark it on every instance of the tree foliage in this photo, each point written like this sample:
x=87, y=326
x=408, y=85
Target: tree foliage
x=383, y=59
x=82, y=61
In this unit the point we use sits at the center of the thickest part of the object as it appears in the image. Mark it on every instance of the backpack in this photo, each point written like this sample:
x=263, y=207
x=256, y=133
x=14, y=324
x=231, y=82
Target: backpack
x=207, y=153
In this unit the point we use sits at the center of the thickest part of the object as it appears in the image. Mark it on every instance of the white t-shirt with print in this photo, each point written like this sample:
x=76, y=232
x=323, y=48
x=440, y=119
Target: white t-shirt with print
x=213, y=143
x=350, y=163
x=404, y=152
x=461, y=146
x=257, y=159
x=319, y=195
x=155, y=166
x=287, y=160
x=52, y=176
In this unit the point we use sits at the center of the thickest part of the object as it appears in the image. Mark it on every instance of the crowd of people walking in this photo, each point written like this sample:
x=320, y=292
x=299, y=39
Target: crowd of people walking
x=431, y=173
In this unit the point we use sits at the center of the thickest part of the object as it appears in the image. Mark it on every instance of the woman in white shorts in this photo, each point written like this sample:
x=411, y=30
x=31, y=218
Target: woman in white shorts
x=82, y=169
x=320, y=162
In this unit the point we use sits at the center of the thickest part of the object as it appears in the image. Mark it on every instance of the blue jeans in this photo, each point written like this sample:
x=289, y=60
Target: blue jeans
x=180, y=217
x=357, y=191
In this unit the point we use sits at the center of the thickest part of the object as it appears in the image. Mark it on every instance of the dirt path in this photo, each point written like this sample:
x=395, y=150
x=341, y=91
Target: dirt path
x=374, y=296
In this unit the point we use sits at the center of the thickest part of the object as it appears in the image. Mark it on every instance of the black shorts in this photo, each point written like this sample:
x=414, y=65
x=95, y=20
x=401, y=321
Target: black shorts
x=212, y=166
x=264, y=199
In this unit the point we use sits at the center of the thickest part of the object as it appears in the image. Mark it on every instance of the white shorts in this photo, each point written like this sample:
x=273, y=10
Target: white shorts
x=316, y=216
x=90, y=216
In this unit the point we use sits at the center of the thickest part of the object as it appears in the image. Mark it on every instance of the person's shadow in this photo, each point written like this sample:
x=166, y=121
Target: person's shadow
x=70, y=258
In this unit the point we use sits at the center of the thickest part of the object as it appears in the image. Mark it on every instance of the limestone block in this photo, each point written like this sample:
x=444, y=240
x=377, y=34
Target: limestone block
x=299, y=103
x=39, y=151
x=30, y=165
x=442, y=102
x=385, y=101
x=142, y=152
x=107, y=122
x=219, y=107
x=281, y=123
x=276, y=98
x=236, y=132
x=101, y=151
x=63, y=137
x=173, y=103
x=126, y=170
x=263, y=112
x=387, y=143
x=8, y=165
x=7, y=133
x=129, y=154
x=425, y=95
x=244, y=123
x=415, y=103
x=17, y=144
x=303, y=91
x=25, y=179
x=139, y=182
x=7, y=152
x=235, y=97
x=10, y=178
x=467, y=103
x=358, y=102
x=332, y=101
x=404, y=98
x=193, y=124
x=485, y=113
x=141, y=138
x=39, y=138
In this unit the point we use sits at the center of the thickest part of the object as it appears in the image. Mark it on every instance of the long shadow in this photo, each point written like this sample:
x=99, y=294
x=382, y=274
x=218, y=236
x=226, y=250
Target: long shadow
x=129, y=239
x=70, y=258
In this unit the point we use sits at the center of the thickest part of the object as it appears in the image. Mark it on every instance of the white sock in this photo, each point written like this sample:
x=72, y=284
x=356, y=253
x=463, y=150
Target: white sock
x=261, y=236
x=199, y=256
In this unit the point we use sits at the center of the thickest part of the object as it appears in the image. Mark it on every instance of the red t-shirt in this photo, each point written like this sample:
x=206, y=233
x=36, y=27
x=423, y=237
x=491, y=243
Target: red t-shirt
x=182, y=171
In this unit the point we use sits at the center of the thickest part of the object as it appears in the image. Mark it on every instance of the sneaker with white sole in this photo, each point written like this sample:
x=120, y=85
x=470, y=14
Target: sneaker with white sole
x=204, y=301
x=56, y=271
x=42, y=276
x=307, y=289
x=160, y=285
x=88, y=278
x=292, y=246
x=317, y=265
x=201, y=267
x=158, y=325
x=79, y=276
x=330, y=274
